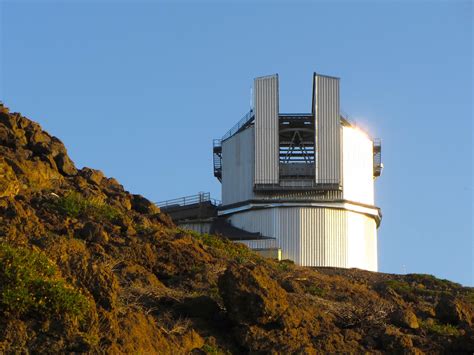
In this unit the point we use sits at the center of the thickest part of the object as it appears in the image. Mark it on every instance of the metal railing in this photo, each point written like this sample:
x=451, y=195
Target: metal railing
x=297, y=185
x=244, y=121
x=189, y=200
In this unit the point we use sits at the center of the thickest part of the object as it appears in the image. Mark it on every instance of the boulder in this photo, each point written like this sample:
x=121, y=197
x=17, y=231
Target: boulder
x=9, y=184
x=405, y=318
x=65, y=164
x=454, y=311
x=91, y=175
x=251, y=295
x=142, y=205
x=93, y=232
x=396, y=342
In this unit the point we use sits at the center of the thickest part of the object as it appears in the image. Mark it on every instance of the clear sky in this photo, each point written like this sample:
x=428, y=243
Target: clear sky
x=140, y=89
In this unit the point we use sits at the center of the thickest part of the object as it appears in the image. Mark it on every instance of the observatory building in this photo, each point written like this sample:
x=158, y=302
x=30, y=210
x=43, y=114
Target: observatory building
x=297, y=186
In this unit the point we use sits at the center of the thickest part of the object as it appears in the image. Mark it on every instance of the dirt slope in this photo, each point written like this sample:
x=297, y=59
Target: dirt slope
x=86, y=266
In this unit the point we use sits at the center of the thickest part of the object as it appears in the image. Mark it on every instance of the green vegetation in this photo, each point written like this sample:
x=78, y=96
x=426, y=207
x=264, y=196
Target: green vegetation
x=285, y=265
x=315, y=291
x=433, y=326
x=401, y=287
x=431, y=282
x=469, y=297
x=29, y=286
x=211, y=347
x=227, y=248
x=211, y=350
x=419, y=285
x=75, y=205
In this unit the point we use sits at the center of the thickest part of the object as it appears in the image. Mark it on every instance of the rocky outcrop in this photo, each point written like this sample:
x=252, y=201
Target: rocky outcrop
x=405, y=318
x=110, y=273
x=454, y=311
x=251, y=296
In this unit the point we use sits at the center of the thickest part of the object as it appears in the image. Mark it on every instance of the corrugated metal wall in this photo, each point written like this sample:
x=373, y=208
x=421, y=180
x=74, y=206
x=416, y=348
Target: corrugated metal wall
x=328, y=129
x=200, y=227
x=357, y=158
x=313, y=236
x=323, y=237
x=259, y=243
x=280, y=223
x=238, y=167
x=266, y=130
x=361, y=241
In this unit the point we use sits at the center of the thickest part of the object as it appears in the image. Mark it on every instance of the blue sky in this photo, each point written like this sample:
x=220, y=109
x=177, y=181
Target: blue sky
x=140, y=89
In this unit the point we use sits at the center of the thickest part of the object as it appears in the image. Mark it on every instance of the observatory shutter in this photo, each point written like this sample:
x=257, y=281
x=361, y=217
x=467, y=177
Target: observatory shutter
x=328, y=131
x=266, y=130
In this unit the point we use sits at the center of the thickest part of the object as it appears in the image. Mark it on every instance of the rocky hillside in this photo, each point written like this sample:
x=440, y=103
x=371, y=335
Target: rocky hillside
x=85, y=266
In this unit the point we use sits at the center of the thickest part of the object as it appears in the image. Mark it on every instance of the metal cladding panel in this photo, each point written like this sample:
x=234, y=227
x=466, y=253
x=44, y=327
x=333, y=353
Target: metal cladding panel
x=280, y=223
x=323, y=237
x=259, y=243
x=328, y=129
x=238, y=167
x=315, y=236
x=289, y=230
x=371, y=244
x=261, y=221
x=313, y=242
x=362, y=241
x=336, y=238
x=266, y=130
x=357, y=158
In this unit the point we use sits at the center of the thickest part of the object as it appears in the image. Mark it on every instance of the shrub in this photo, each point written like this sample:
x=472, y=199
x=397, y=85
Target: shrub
x=212, y=348
x=225, y=247
x=441, y=329
x=431, y=282
x=285, y=265
x=402, y=287
x=75, y=205
x=29, y=285
x=469, y=297
x=315, y=291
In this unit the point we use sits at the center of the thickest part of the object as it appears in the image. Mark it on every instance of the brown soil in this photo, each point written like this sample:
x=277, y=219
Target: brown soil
x=152, y=288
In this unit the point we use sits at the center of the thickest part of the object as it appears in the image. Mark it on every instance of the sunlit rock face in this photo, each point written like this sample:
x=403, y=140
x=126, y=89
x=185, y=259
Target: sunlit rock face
x=87, y=267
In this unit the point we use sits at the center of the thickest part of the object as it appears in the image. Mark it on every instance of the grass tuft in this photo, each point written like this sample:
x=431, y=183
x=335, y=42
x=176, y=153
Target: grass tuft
x=236, y=251
x=440, y=329
x=29, y=286
x=75, y=205
x=315, y=291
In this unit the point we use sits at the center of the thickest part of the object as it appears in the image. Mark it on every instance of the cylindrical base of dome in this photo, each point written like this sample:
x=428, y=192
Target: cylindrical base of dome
x=315, y=236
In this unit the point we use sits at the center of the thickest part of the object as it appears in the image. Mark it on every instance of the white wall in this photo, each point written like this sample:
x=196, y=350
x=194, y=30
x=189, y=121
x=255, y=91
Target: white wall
x=361, y=241
x=315, y=236
x=357, y=157
x=238, y=167
x=280, y=223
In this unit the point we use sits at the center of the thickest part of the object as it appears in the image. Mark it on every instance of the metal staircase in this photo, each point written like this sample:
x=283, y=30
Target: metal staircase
x=378, y=165
x=217, y=158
